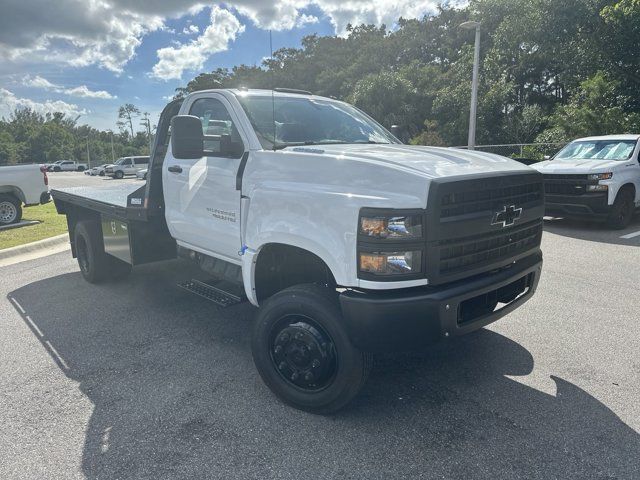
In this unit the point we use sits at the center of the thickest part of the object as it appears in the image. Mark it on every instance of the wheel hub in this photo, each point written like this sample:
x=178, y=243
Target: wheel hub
x=304, y=355
x=8, y=212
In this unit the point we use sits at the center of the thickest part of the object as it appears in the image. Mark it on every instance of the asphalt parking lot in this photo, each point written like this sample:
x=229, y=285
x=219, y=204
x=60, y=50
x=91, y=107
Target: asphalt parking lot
x=143, y=380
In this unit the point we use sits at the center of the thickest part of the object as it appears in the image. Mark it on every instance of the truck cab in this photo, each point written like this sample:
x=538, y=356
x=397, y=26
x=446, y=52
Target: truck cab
x=349, y=242
x=595, y=178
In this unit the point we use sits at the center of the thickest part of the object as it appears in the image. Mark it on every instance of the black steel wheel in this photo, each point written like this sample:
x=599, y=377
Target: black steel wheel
x=303, y=352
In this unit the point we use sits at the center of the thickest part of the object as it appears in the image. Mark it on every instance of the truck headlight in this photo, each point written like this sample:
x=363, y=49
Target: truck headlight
x=600, y=176
x=391, y=226
x=391, y=263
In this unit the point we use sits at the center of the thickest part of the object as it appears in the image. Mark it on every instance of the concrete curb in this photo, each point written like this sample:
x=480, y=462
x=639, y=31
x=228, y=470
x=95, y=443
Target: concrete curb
x=47, y=243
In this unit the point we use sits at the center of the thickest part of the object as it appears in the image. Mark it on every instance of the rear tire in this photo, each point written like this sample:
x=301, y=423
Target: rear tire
x=303, y=352
x=10, y=210
x=119, y=175
x=622, y=210
x=96, y=266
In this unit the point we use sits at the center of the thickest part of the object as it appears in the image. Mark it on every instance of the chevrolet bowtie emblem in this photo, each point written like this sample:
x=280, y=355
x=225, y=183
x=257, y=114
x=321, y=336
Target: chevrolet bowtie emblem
x=507, y=216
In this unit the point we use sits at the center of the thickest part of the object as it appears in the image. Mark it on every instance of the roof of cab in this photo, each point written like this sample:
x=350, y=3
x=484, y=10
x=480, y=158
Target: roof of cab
x=240, y=92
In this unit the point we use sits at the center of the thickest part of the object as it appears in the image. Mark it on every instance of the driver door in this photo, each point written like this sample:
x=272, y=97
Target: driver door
x=201, y=200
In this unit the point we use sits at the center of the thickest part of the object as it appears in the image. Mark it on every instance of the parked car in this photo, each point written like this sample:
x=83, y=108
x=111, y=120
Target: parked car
x=67, y=166
x=99, y=170
x=126, y=166
x=595, y=178
x=142, y=174
x=51, y=166
x=350, y=242
x=21, y=185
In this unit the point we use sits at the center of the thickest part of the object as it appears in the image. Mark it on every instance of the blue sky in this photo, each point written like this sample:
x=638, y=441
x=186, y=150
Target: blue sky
x=89, y=62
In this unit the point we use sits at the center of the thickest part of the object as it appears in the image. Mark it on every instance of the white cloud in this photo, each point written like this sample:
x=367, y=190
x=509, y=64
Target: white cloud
x=173, y=61
x=305, y=19
x=80, y=91
x=107, y=33
x=38, y=82
x=191, y=29
x=9, y=102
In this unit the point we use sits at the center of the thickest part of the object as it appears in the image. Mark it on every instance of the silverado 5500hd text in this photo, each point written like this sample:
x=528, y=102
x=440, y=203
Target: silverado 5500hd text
x=350, y=242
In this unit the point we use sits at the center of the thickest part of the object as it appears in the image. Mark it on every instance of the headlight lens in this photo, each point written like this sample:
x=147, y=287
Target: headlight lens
x=391, y=227
x=600, y=176
x=391, y=263
x=597, y=188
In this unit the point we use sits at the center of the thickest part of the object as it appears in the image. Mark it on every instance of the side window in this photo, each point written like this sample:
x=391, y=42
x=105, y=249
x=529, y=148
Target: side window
x=141, y=160
x=217, y=122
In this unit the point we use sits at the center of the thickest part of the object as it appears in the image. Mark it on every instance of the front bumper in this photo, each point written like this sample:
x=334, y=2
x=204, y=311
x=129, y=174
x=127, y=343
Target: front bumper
x=591, y=205
x=410, y=319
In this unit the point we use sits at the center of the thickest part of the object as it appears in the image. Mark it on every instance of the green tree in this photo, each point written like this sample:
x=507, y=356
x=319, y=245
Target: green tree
x=126, y=114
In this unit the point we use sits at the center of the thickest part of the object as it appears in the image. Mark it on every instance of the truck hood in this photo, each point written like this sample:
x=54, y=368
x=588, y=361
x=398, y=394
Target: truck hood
x=577, y=166
x=431, y=162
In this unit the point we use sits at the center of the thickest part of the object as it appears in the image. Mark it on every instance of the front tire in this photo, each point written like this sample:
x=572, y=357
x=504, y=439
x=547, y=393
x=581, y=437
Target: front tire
x=119, y=175
x=10, y=210
x=303, y=352
x=622, y=210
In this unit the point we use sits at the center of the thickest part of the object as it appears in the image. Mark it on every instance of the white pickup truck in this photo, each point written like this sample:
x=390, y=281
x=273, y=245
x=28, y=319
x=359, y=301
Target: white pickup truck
x=67, y=166
x=21, y=185
x=594, y=178
x=350, y=242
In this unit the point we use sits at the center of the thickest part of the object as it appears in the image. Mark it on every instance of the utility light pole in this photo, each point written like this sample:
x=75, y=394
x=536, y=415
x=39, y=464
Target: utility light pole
x=474, y=83
x=113, y=155
x=88, y=158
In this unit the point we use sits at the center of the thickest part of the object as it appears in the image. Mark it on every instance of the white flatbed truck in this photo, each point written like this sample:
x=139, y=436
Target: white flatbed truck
x=349, y=242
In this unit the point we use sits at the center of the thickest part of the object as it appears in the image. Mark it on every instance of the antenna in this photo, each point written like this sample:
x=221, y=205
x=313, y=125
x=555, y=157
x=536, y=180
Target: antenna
x=273, y=100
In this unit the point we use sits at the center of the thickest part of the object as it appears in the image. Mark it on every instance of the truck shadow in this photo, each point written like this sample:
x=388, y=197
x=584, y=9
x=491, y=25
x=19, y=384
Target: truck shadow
x=176, y=395
x=592, y=231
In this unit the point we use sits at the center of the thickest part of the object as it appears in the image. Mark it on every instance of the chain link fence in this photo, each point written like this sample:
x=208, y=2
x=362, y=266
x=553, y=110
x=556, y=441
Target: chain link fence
x=525, y=152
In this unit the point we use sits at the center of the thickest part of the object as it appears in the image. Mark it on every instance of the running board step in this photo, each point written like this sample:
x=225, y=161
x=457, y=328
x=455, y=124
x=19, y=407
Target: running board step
x=216, y=295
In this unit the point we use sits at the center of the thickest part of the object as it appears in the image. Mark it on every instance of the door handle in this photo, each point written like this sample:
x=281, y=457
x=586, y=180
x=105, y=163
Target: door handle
x=175, y=169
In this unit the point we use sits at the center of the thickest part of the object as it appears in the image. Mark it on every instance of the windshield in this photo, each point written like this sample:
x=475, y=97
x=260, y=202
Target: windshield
x=120, y=161
x=597, y=150
x=309, y=121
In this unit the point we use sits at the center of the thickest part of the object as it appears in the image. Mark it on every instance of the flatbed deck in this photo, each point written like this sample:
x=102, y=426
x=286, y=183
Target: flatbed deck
x=109, y=199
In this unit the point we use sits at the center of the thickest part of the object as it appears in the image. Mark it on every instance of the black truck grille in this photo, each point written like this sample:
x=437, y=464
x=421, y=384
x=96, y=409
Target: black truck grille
x=460, y=255
x=487, y=197
x=466, y=232
x=555, y=184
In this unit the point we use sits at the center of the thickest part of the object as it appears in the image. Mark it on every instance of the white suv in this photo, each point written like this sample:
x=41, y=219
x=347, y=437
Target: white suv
x=595, y=178
x=126, y=166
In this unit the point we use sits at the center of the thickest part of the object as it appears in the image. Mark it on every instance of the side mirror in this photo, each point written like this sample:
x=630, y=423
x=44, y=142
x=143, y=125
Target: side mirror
x=187, y=139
